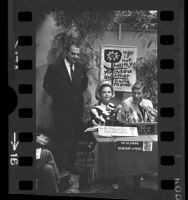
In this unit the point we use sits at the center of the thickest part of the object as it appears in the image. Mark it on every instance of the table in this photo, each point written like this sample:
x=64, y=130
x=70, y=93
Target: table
x=111, y=163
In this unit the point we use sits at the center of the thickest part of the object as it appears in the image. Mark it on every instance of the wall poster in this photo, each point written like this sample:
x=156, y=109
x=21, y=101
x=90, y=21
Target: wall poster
x=117, y=66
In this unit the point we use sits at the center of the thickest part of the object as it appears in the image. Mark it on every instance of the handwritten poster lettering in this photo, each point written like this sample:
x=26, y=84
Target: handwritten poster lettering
x=117, y=66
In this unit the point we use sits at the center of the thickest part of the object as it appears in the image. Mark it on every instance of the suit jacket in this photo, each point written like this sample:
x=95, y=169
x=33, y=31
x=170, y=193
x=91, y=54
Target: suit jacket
x=68, y=102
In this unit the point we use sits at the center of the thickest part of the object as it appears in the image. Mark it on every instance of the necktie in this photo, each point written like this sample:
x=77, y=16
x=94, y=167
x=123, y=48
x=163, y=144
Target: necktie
x=72, y=72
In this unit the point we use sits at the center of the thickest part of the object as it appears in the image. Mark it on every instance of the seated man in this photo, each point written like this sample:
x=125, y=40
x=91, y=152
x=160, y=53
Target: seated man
x=136, y=108
x=49, y=180
x=47, y=173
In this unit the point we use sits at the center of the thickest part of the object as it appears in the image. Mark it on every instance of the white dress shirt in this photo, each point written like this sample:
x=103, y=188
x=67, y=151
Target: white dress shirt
x=68, y=67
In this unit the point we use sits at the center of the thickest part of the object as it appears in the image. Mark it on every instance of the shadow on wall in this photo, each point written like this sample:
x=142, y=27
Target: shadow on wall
x=44, y=56
x=44, y=115
x=44, y=118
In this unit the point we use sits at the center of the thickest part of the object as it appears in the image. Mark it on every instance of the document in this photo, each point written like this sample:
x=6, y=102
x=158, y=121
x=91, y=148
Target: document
x=110, y=131
x=38, y=153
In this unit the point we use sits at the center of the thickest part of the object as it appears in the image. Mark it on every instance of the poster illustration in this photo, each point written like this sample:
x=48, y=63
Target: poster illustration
x=117, y=66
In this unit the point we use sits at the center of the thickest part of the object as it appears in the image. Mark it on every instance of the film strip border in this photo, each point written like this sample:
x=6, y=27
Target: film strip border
x=22, y=123
x=169, y=147
x=170, y=159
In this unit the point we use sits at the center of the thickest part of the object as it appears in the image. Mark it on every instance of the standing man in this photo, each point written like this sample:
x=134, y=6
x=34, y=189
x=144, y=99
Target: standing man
x=65, y=81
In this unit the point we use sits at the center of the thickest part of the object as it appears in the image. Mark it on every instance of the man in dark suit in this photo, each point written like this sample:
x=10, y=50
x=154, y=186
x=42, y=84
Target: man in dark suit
x=65, y=81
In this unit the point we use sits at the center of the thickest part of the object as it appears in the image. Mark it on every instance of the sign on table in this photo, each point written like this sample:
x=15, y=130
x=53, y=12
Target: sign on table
x=134, y=146
x=109, y=131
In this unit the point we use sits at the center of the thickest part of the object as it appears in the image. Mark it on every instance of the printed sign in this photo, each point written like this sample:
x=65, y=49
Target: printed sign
x=109, y=131
x=117, y=66
x=129, y=146
x=134, y=145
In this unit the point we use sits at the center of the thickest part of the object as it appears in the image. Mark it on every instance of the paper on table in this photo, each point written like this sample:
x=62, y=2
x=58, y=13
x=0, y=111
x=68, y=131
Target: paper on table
x=109, y=131
x=38, y=153
x=90, y=129
x=147, y=145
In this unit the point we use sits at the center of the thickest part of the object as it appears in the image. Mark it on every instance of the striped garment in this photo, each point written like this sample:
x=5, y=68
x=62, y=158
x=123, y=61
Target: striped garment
x=101, y=113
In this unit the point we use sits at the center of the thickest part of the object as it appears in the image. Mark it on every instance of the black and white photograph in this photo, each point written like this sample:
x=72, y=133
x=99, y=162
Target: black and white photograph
x=96, y=102
x=96, y=99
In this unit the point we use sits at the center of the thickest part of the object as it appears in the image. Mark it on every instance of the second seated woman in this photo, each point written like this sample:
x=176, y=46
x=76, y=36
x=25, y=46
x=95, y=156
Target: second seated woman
x=103, y=112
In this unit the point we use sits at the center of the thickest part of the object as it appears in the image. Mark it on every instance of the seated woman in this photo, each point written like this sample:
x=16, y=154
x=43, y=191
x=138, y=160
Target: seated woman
x=104, y=112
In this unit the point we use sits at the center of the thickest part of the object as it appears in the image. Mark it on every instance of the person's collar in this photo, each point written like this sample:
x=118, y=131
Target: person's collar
x=135, y=102
x=67, y=63
x=103, y=103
